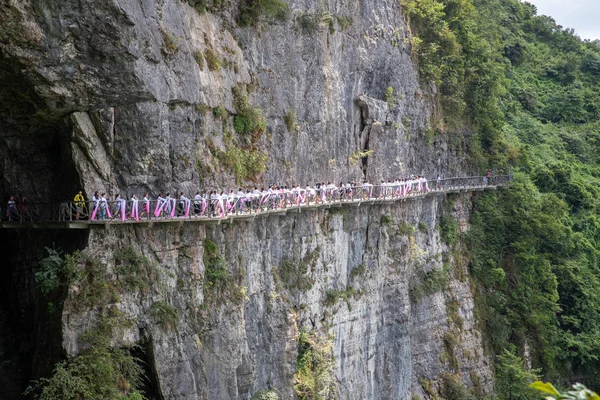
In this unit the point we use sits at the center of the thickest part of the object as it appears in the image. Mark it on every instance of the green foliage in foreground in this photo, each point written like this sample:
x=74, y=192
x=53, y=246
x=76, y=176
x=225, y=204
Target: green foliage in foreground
x=578, y=392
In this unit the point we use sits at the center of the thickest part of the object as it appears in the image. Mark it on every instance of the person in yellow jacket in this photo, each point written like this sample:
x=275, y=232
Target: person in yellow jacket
x=79, y=204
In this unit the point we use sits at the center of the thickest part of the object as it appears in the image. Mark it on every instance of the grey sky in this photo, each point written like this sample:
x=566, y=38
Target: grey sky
x=581, y=15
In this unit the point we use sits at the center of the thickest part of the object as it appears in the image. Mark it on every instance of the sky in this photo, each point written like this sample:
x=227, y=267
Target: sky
x=581, y=15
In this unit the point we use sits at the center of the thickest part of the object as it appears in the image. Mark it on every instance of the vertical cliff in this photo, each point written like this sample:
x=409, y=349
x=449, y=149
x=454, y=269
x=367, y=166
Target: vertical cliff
x=374, y=282
x=126, y=96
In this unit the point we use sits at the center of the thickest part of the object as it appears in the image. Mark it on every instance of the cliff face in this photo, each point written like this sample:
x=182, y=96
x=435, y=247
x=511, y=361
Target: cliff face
x=125, y=96
x=388, y=326
x=120, y=81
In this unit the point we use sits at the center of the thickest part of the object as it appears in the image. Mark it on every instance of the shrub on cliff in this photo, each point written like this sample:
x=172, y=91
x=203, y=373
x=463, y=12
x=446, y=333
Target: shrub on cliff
x=253, y=11
x=55, y=270
x=314, y=376
x=99, y=371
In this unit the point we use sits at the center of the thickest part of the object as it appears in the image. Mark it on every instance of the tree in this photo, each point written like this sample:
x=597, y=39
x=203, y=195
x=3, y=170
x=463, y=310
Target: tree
x=512, y=378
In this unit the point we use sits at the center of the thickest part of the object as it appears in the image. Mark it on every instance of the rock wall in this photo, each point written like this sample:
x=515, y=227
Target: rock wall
x=123, y=77
x=230, y=343
x=111, y=96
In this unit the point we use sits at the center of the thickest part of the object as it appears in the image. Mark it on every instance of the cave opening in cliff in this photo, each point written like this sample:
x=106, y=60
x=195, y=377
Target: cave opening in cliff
x=34, y=142
x=144, y=354
x=36, y=165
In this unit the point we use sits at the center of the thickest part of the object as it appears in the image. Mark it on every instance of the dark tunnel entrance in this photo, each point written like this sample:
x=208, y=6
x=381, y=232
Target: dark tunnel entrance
x=35, y=164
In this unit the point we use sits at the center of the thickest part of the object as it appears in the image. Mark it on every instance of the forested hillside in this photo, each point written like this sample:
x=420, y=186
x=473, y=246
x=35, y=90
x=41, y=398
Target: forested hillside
x=531, y=89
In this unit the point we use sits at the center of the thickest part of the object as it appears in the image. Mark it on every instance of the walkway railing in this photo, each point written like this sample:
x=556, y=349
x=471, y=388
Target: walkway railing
x=227, y=206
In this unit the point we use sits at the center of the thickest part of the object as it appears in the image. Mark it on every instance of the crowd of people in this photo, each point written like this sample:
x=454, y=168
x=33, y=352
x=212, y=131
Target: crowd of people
x=221, y=204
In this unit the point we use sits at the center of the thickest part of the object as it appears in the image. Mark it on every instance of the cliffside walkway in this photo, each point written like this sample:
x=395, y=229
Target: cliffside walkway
x=64, y=215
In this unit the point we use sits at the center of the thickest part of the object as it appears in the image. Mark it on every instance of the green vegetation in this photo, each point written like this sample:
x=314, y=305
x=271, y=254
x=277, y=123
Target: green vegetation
x=220, y=112
x=426, y=283
x=251, y=12
x=266, y=395
x=307, y=23
x=390, y=98
x=428, y=387
x=242, y=156
x=203, y=108
x=450, y=342
x=333, y=296
x=295, y=275
x=310, y=23
x=93, y=287
x=111, y=321
x=290, y=121
x=314, y=377
x=99, y=371
x=169, y=46
x=358, y=271
x=202, y=6
x=578, y=392
x=248, y=120
x=428, y=136
x=512, y=378
x=359, y=155
x=448, y=229
x=220, y=286
x=456, y=50
x=199, y=57
x=454, y=319
x=215, y=273
x=134, y=270
x=406, y=229
x=164, y=314
x=213, y=62
x=56, y=270
x=453, y=389
x=385, y=220
x=245, y=163
x=344, y=22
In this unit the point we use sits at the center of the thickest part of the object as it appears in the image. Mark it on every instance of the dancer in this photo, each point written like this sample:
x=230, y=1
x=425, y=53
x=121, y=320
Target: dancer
x=160, y=205
x=120, y=207
x=169, y=209
x=146, y=206
x=184, y=206
x=134, y=208
x=103, y=207
x=198, y=203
